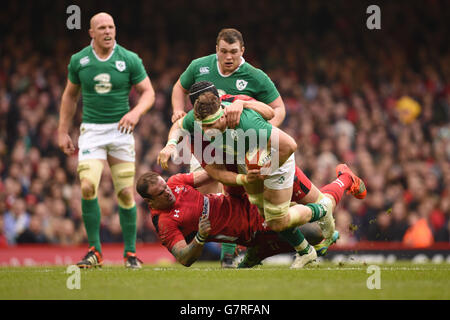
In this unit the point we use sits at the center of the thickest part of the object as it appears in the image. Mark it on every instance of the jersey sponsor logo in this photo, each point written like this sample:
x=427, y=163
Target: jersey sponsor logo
x=120, y=65
x=205, y=211
x=241, y=84
x=85, y=152
x=104, y=84
x=84, y=60
x=204, y=70
x=176, y=215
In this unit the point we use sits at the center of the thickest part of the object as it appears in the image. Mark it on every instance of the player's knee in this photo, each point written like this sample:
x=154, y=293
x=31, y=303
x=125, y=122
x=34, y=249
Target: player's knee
x=123, y=175
x=276, y=215
x=90, y=172
x=87, y=189
x=276, y=225
x=126, y=198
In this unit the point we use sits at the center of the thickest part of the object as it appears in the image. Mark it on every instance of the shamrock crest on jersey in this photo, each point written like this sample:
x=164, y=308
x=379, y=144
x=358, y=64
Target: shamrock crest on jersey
x=120, y=65
x=241, y=84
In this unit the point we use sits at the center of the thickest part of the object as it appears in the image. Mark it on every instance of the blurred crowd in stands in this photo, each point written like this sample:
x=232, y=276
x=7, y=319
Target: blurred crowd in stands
x=378, y=100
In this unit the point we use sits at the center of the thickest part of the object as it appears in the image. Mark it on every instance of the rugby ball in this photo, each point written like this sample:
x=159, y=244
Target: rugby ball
x=257, y=158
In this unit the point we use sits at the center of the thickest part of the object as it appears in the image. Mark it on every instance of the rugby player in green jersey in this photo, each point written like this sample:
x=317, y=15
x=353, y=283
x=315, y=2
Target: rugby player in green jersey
x=104, y=73
x=273, y=195
x=231, y=74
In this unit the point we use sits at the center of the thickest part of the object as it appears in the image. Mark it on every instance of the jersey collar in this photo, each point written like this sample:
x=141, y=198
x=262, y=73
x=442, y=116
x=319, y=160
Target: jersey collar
x=108, y=57
x=225, y=76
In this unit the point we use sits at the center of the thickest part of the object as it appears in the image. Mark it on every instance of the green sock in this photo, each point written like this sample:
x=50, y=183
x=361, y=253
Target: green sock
x=296, y=239
x=91, y=218
x=129, y=229
x=227, y=248
x=318, y=211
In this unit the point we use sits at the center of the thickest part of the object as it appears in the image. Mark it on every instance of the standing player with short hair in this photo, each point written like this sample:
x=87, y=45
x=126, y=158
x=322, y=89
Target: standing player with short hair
x=231, y=74
x=104, y=73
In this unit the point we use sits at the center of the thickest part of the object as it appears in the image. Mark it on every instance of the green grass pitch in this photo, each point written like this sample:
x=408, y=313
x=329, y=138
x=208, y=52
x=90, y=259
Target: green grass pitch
x=207, y=281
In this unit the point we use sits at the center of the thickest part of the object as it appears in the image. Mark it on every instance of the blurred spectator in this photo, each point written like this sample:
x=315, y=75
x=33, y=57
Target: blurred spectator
x=345, y=226
x=16, y=220
x=34, y=233
x=111, y=230
x=419, y=234
x=408, y=109
x=3, y=239
x=399, y=220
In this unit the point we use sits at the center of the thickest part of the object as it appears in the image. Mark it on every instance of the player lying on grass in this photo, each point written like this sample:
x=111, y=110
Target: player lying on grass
x=271, y=195
x=185, y=219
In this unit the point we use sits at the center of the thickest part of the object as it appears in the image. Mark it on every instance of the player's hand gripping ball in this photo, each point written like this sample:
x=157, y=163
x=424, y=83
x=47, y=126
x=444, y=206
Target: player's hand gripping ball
x=257, y=158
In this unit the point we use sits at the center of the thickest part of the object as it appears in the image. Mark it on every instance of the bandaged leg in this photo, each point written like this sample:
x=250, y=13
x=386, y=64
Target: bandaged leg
x=258, y=200
x=275, y=213
x=123, y=179
x=90, y=172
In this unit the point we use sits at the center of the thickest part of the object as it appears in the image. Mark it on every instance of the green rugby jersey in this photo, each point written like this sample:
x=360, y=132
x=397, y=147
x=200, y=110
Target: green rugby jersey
x=246, y=79
x=236, y=142
x=105, y=84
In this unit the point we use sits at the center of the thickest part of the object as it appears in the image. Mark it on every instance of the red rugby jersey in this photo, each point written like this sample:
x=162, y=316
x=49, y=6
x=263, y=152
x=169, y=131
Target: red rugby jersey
x=233, y=218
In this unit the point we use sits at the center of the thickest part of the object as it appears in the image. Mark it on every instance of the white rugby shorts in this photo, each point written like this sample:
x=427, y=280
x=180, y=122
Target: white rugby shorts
x=283, y=176
x=96, y=141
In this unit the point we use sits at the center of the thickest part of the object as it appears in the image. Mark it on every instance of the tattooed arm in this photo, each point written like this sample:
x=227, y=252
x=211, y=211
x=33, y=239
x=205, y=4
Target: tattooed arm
x=187, y=254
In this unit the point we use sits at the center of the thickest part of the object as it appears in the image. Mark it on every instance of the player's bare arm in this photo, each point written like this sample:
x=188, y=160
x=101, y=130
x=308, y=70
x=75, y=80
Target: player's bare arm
x=174, y=136
x=220, y=173
x=285, y=146
x=234, y=110
x=179, y=95
x=68, y=107
x=187, y=254
x=266, y=111
x=146, y=101
x=201, y=178
x=280, y=111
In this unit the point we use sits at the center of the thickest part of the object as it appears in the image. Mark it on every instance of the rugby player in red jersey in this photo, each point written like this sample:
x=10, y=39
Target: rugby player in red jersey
x=185, y=218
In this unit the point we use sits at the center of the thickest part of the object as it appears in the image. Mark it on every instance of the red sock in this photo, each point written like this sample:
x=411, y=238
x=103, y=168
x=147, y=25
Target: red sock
x=338, y=186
